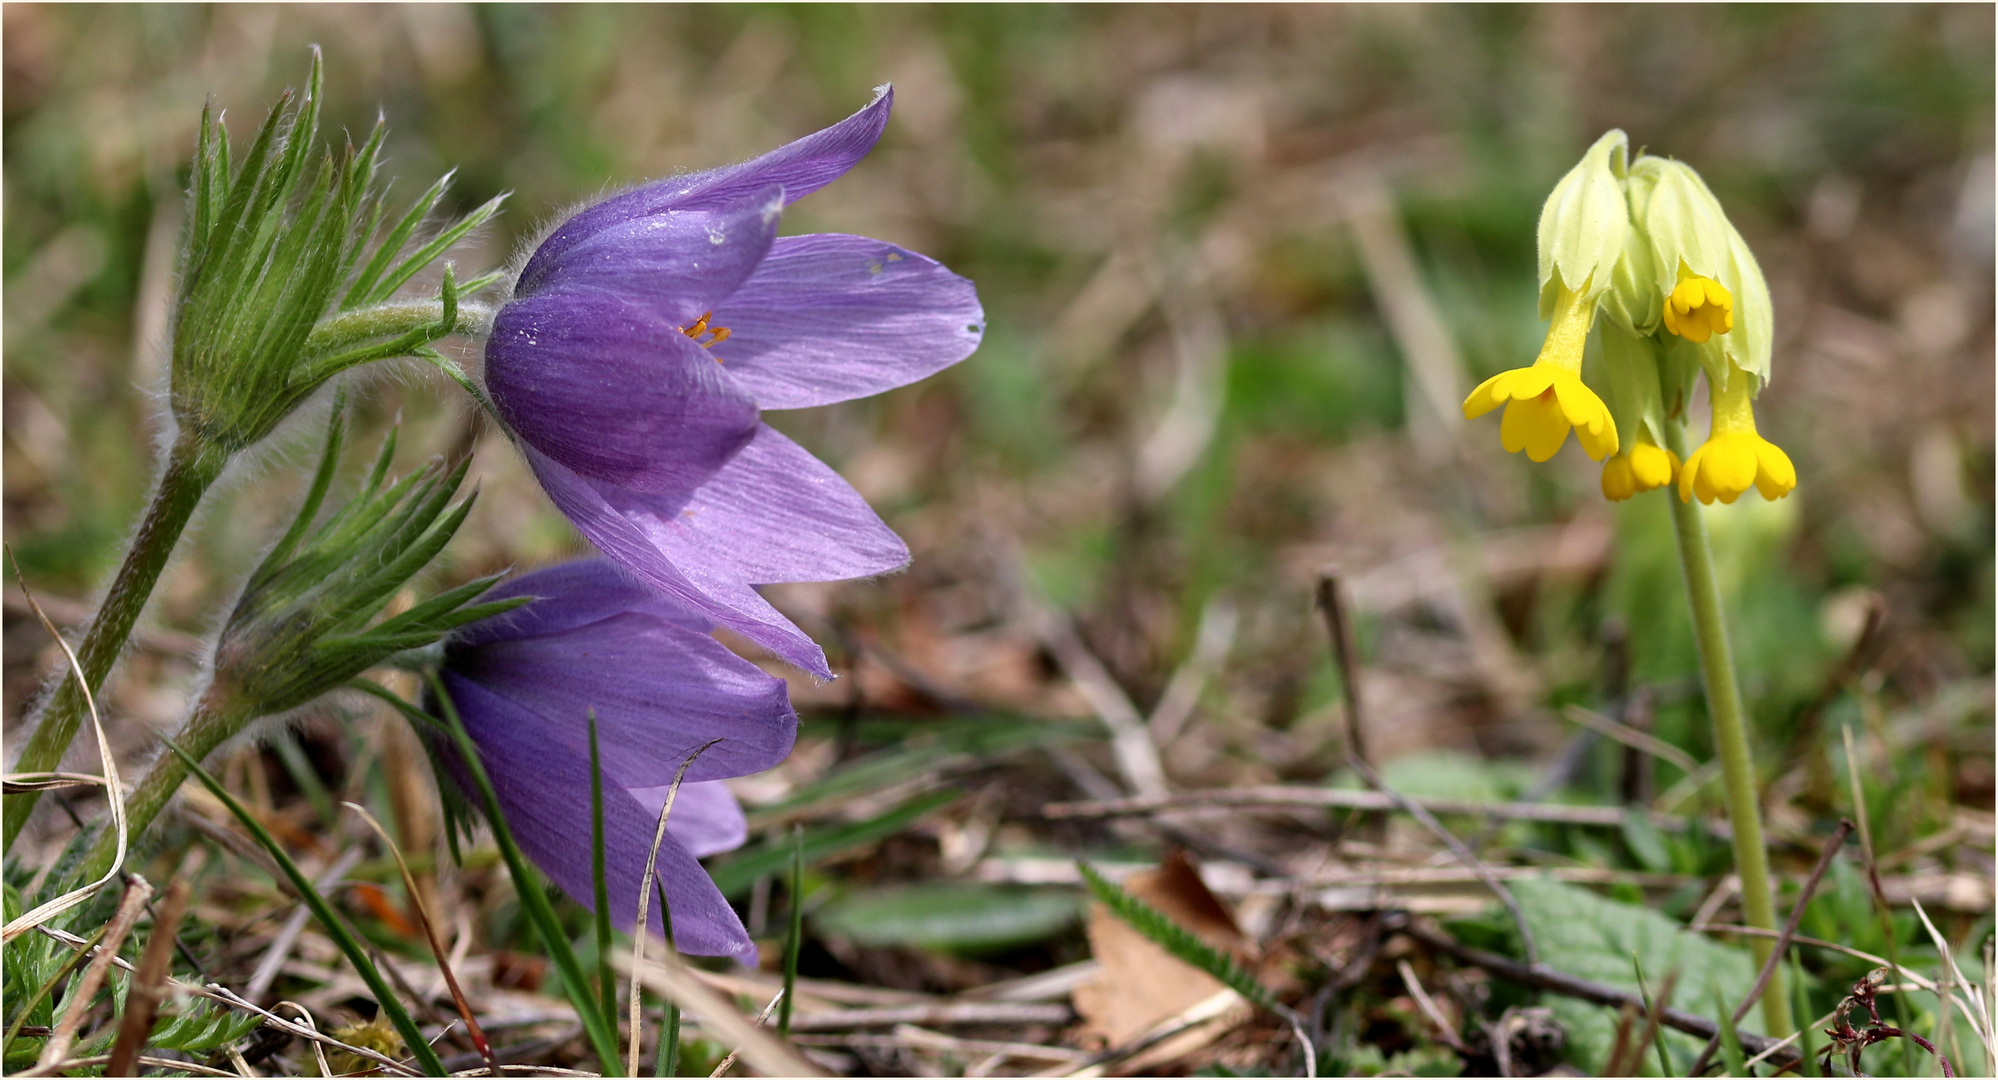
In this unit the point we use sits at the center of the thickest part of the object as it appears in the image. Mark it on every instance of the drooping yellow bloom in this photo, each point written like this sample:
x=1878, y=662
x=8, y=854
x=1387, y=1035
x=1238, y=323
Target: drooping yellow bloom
x=1699, y=308
x=1645, y=467
x=1734, y=457
x=1544, y=401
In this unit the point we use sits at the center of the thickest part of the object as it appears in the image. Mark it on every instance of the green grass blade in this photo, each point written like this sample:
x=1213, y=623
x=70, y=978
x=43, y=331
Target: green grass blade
x=1174, y=938
x=795, y=940
x=666, y=1055
x=1737, y=1062
x=738, y=875
x=600, y=1028
x=412, y=1036
x=598, y=883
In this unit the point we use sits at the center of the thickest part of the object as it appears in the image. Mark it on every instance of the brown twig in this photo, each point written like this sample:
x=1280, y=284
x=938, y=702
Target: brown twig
x=1457, y=848
x=437, y=949
x=83, y=995
x=1769, y=966
x=1339, y=627
x=155, y=964
x=1279, y=797
x=1596, y=993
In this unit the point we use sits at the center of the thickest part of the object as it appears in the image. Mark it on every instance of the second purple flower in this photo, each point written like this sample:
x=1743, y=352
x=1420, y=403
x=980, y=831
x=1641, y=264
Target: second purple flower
x=646, y=333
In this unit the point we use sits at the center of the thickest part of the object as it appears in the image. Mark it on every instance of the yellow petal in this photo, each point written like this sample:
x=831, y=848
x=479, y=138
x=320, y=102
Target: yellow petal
x=1535, y=426
x=1687, y=473
x=1775, y=476
x=1485, y=398
x=1617, y=485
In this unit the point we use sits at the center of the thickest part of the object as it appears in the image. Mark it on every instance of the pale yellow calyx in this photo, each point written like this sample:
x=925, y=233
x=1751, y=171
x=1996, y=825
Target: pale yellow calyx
x=1544, y=401
x=1735, y=456
x=1699, y=308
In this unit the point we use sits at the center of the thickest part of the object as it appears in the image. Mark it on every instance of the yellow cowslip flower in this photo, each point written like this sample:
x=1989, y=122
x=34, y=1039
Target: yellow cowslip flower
x=1645, y=467
x=1543, y=401
x=1734, y=457
x=1699, y=308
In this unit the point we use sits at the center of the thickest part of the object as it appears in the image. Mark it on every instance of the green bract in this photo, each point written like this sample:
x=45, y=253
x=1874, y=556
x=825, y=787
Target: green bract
x=1630, y=362
x=1583, y=224
x=287, y=274
x=305, y=624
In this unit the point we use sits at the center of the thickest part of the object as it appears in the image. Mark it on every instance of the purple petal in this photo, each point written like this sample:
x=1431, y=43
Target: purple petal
x=566, y=596
x=831, y=317
x=729, y=603
x=613, y=391
x=544, y=791
x=660, y=692
x=679, y=263
x=772, y=513
x=801, y=167
x=706, y=818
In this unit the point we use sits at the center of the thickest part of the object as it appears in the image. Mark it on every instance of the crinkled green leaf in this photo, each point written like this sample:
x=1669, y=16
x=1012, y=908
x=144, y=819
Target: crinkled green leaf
x=1585, y=935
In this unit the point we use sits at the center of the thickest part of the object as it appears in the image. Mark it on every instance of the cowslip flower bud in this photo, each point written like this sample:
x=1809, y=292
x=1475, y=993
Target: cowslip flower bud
x=1713, y=291
x=1583, y=227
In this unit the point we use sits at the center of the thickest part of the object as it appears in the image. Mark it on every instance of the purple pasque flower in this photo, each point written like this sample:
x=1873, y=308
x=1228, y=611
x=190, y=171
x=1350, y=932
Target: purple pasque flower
x=525, y=683
x=646, y=333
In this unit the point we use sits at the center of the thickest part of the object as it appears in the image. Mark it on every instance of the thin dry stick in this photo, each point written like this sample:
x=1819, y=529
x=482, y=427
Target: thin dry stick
x=1596, y=993
x=1465, y=855
x=83, y=995
x=114, y=787
x=437, y=949
x=155, y=964
x=737, y=1052
x=1626, y=1017
x=1769, y=966
x=1338, y=625
x=1429, y=1007
x=643, y=928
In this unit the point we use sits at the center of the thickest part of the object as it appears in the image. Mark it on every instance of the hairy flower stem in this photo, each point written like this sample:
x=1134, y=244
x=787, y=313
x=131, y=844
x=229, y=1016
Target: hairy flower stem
x=210, y=725
x=192, y=466
x=1744, y=811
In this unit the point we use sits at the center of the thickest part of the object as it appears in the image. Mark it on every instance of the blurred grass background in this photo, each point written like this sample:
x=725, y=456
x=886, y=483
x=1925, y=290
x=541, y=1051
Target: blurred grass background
x=1240, y=264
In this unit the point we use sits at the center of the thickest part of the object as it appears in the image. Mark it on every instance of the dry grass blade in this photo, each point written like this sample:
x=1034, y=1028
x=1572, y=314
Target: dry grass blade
x=279, y=950
x=114, y=787
x=673, y=980
x=437, y=948
x=306, y=1029
x=1429, y=1007
x=105, y=1060
x=306, y=1021
x=82, y=996
x=22, y=783
x=1633, y=738
x=1278, y=797
x=761, y=1018
x=1979, y=1018
x=155, y=964
x=640, y=930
